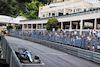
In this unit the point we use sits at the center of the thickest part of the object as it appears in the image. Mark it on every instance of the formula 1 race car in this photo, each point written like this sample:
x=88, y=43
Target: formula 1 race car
x=25, y=56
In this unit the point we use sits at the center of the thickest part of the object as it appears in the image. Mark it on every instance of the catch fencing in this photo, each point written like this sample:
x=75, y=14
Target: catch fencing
x=83, y=41
x=9, y=53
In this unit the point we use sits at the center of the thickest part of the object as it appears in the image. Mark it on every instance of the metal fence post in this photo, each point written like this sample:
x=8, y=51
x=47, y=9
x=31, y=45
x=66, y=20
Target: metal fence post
x=81, y=41
x=63, y=39
x=84, y=42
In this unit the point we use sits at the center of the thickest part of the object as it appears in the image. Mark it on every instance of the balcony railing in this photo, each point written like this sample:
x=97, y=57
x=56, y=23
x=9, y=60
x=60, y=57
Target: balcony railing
x=71, y=15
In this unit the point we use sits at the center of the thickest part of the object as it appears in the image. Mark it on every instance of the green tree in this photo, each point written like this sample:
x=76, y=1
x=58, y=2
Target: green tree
x=52, y=23
x=45, y=1
x=18, y=27
x=9, y=27
x=32, y=10
x=12, y=7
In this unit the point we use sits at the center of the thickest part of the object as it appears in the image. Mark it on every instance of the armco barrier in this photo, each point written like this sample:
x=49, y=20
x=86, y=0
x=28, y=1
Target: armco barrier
x=89, y=55
x=9, y=54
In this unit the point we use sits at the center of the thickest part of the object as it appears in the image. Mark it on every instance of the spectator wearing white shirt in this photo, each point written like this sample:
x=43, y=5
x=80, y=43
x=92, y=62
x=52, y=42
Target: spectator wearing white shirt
x=90, y=33
x=74, y=38
x=98, y=34
x=94, y=32
x=75, y=32
x=93, y=48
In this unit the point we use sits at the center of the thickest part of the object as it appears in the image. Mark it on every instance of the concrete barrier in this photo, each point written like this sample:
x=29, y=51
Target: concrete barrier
x=9, y=54
x=86, y=54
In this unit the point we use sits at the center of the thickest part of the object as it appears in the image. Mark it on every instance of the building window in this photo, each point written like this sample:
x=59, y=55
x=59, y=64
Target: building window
x=39, y=26
x=53, y=14
x=34, y=26
x=25, y=25
x=43, y=15
x=49, y=14
x=44, y=26
x=29, y=26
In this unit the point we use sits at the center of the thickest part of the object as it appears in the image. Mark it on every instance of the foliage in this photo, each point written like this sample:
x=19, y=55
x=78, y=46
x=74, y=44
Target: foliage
x=9, y=27
x=12, y=7
x=18, y=27
x=32, y=10
x=45, y=1
x=52, y=23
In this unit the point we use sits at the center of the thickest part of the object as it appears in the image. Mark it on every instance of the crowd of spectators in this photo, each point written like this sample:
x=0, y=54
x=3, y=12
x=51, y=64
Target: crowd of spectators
x=89, y=39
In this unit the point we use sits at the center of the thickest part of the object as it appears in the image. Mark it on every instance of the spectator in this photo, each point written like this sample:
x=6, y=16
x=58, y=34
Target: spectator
x=75, y=32
x=94, y=32
x=89, y=41
x=93, y=48
x=90, y=33
x=88, y=30
x=98, y=34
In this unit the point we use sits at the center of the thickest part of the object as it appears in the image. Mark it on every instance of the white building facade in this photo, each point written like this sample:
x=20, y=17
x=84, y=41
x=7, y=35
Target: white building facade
x=71, y=14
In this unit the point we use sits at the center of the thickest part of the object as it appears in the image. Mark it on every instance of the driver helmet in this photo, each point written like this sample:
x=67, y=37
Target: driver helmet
x=25, y=49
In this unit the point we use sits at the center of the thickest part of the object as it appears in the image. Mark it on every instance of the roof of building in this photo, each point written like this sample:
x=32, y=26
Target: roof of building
x=8, y=19
x=3, y=16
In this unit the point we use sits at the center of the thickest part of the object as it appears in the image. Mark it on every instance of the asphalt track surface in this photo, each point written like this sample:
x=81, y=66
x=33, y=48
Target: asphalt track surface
x=50, y=57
